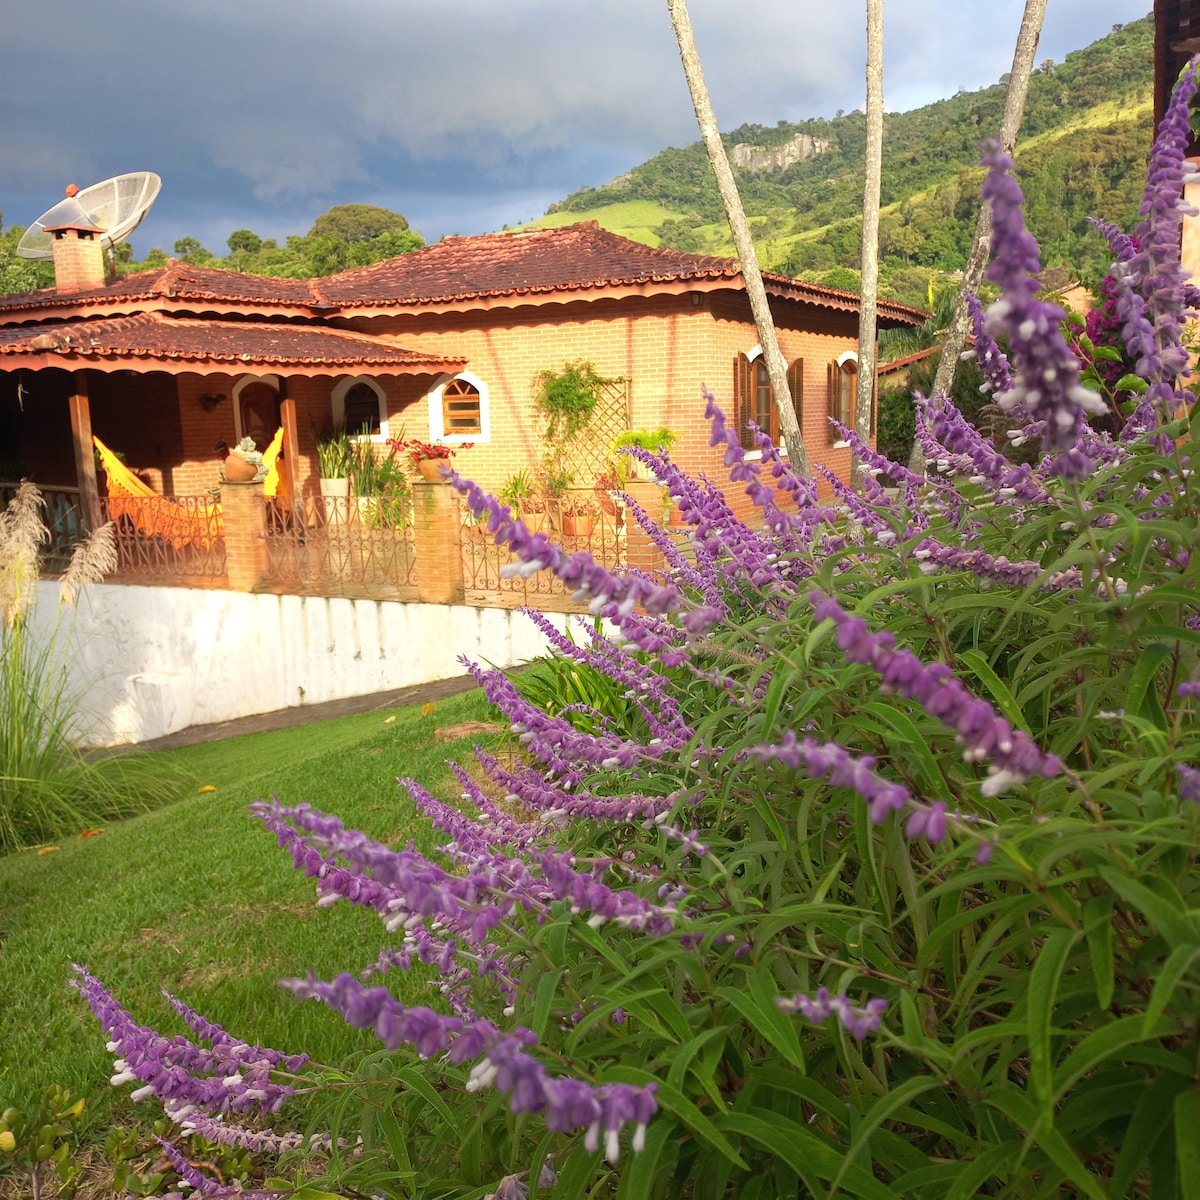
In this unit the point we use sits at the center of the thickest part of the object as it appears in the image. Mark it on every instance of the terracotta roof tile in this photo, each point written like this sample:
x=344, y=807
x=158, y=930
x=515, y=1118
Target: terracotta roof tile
x=573, y=258
x=182, y=281
x=215, y=342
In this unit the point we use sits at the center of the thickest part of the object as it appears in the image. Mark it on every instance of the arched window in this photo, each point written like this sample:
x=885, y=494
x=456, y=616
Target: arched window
x=360, y=404
x=458, y=409
x=754, y=398
x=843, y=386
x=256, y=408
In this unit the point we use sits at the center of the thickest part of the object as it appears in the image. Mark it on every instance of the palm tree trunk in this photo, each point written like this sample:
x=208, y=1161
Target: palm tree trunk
x=1014, y=109
x=865, y=398
x=776, y=366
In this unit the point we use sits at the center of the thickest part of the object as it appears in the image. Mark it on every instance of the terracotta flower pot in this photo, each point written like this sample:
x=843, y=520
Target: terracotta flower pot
x=237, y=470
x=577, y=524
x=431, y=469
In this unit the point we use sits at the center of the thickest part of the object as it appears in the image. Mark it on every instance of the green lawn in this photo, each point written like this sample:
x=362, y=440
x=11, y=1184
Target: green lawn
x=196, y=897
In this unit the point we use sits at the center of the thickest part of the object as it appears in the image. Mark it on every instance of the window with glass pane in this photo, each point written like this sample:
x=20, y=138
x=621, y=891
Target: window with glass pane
x=764, y=406
x=460, y=408
x=362, y=410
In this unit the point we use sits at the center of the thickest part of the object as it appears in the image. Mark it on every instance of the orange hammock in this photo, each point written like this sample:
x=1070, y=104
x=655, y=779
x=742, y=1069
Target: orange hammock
x=155, y=515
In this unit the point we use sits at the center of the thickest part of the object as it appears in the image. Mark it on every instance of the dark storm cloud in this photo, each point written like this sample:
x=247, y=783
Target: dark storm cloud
x=463, y=114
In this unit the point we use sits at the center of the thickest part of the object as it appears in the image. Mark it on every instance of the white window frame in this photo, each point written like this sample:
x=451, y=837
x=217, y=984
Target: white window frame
x=272, y=381
x=437, y=430
x=841, y=360
x=337, y=401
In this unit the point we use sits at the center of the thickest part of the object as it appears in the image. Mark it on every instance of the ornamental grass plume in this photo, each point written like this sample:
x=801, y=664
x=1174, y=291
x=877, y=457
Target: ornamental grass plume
x=862, y=857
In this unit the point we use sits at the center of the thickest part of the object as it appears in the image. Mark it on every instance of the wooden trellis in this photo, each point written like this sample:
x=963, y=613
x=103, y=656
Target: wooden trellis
x=589, y=453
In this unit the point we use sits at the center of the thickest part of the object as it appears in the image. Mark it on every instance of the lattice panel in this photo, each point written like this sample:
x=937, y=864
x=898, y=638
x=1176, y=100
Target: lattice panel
x=589, y=454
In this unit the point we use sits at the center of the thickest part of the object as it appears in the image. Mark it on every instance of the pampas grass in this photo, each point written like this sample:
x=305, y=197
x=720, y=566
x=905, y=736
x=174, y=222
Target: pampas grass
x=48, y=789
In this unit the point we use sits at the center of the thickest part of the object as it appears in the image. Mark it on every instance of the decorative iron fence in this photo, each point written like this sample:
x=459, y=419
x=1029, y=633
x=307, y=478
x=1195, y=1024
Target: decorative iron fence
x=338, y=546
x=168, y=539
x=64, y=518
x=589, y=521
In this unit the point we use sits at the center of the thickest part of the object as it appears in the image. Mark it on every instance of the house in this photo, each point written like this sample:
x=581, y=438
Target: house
x=442, y=345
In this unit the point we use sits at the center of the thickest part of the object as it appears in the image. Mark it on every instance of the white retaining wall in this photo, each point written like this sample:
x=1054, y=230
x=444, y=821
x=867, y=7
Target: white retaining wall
x=150, y=661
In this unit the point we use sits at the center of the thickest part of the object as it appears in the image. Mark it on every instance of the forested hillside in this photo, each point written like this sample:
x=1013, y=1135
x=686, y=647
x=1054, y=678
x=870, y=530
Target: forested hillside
x=1082, y=152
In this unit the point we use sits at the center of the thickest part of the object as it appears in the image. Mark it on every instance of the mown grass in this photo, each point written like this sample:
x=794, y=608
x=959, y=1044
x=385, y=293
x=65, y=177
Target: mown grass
x=197, y=898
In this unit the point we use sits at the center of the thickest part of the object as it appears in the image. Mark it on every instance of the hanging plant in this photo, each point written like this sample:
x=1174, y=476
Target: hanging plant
x=568, y=398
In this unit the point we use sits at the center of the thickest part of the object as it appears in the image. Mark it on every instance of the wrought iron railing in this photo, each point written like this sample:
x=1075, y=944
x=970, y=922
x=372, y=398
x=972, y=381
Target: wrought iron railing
x=167, y=539
x=338, y=546
x=64, y=518
x=580, y=521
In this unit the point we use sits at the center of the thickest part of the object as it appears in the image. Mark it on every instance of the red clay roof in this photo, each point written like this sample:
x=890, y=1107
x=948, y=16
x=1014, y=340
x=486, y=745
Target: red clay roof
x=536, y=265
x=180, y=281
x=574, y=258
x=187, y=343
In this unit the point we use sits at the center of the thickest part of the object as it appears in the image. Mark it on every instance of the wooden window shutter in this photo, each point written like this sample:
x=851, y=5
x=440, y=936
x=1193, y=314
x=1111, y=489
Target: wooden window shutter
x=831, y=405
x=743, y=397
x=461, y=410
x=795, y=378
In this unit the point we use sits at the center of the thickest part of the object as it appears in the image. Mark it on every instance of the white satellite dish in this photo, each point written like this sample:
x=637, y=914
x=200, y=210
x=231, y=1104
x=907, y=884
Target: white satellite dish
x=116, y=206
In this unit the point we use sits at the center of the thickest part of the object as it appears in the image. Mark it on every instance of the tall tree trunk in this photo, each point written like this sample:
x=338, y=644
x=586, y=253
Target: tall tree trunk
x=1014, y=109
x=865, y=399
x=776, y=366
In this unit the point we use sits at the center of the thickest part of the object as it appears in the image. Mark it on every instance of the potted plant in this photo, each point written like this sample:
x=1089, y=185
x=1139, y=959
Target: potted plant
x=579, y=518
x=553, y=481
x=242, y=464
x=521, y=495
x=654, y=440
x=428, y=457
x=333, y=470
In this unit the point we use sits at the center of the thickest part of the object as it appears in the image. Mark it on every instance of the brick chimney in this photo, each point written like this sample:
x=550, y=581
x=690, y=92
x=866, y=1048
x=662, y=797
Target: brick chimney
x=78, y=257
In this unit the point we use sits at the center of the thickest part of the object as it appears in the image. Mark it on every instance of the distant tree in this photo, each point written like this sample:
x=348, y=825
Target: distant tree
x=358, y=223
x=123, y=253
x=244, y=241
x=190, y=250
x=155, y=256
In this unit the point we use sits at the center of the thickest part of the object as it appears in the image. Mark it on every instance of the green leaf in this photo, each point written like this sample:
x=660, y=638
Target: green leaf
x=807, y=1154
x=1187, y=1141
x=1043, y=986
x=1098, y=931
x=996, y=688
x=1099, y=1045
x=1145, y=1127
x=1131, y=383
x=879, y=1112
x=1171, y=972
x=1174, y=925
x=547, y=985
x=1142, y=676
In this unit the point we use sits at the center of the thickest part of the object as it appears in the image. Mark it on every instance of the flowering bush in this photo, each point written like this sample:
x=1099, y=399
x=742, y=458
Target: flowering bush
x=419, y=451
x=885, y=882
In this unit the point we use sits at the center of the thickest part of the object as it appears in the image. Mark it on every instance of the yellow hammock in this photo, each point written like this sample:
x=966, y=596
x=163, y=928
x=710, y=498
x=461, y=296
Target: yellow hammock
x=155, y=515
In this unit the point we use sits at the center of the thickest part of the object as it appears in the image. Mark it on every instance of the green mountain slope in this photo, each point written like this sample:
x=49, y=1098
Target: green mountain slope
x=1083, y=149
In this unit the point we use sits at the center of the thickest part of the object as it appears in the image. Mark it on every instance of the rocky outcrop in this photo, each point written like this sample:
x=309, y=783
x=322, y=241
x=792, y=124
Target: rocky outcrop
x=758, y=158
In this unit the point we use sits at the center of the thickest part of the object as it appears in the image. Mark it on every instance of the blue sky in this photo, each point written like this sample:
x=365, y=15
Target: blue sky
x=464, y=115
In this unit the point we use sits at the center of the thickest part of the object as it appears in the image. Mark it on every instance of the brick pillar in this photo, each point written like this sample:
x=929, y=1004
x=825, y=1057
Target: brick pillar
x=437, y=538
x=640, y=552
x=244, y=512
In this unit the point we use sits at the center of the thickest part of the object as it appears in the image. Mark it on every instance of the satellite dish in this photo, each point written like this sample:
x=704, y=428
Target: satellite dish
x=116, y=206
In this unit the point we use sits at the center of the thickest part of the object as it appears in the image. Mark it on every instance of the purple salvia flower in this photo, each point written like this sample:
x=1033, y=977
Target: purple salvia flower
x=231, y=1077
x=1046, y=383
x=982, y=732
x=843, y=768
x=1188, y=779
x=927, y=821
x=932, y=554
x=1189, y=689
x=1151, y=299
x=993, y=363
x=568, y=1104
x=858, y=1022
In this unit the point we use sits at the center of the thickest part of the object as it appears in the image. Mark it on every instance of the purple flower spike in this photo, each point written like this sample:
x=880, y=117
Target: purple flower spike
x=1046, y=384
x=983, y=733
x=844, y=770
x=858, y=1022
x=1188, y=779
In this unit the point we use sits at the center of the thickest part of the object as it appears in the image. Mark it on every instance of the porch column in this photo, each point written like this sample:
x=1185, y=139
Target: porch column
x=244, y=516
x=291, y=439
x=437, y=539
x=640, y=551
x=85, y=454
